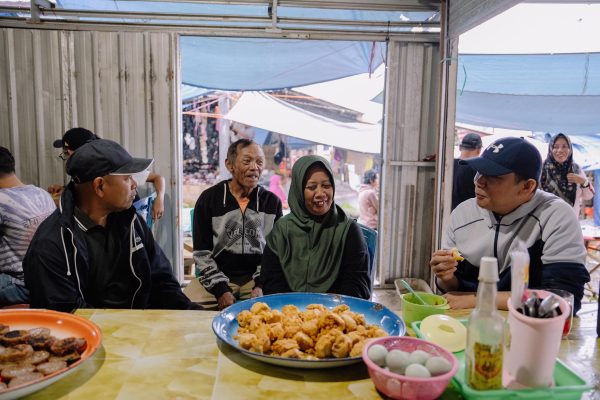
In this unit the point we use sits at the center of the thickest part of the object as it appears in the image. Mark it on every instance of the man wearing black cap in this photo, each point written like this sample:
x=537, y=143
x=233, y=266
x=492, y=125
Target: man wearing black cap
x=94, y=251
x=463, y=187
x=73, y=139
x=509, y=213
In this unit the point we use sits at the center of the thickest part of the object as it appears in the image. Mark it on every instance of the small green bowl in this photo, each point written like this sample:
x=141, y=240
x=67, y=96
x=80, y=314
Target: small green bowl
x=413, y=311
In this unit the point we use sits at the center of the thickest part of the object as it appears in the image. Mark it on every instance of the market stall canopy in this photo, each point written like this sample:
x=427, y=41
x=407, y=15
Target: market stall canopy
x=538, y=77
x=536, y=92
x=258, y=109
x=190, y=92
x=267, y=64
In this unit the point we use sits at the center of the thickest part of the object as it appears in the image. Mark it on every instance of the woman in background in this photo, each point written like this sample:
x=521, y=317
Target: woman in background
x=277, y=184
x=562, y=177
x=368, y=200
x=316, y=247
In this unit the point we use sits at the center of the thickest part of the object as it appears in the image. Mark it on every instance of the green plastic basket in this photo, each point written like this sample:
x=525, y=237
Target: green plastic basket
x=568, y=385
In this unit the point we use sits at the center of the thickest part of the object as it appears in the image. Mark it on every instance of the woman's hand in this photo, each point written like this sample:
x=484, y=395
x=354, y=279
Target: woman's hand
x=256, y=292
x=575, y=178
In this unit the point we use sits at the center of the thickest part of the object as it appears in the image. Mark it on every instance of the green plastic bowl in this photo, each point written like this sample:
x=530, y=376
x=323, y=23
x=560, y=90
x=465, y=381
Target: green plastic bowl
x=413, y=311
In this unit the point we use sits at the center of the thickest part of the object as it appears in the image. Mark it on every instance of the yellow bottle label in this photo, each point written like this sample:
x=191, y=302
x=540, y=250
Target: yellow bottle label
x=486, y=371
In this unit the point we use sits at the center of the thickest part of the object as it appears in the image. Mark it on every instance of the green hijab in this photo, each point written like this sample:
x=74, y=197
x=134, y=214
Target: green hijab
x=309, y=248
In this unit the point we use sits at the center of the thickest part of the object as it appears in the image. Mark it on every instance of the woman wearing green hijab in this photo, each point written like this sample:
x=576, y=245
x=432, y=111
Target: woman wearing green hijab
x=315, y=248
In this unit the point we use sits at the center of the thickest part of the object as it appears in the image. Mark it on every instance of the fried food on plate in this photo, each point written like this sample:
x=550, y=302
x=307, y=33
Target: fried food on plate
x=314, y=333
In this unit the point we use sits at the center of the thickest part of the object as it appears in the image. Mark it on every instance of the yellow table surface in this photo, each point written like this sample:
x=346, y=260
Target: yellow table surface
x=158, y=354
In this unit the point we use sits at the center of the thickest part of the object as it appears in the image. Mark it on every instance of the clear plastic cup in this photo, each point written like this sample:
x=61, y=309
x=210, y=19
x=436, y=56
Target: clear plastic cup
x=569, y=298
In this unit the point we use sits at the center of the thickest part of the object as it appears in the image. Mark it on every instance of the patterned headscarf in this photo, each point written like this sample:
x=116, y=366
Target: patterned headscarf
x=554, y=174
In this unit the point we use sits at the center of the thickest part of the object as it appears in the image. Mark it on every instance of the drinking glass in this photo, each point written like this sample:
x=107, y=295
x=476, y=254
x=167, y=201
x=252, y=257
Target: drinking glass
x=569, y=298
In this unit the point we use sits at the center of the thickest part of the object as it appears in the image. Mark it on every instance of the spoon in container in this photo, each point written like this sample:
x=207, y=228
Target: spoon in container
x=548, y=305
x=415, y=295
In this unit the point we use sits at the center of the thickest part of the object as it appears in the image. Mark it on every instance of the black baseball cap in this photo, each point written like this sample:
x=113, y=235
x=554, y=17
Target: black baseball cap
x=508, y=155
x=74, y=138
x=103, y=157
x=471, y=141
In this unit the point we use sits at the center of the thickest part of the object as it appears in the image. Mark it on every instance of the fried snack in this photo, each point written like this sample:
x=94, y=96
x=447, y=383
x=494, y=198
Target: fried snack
x=28, y=355
x=312, y=334
x=456, y=255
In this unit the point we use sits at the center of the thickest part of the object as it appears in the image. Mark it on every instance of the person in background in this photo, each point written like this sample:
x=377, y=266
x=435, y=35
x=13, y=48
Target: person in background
x=316, y=247
x=509, y=213
x=368, y=200
x=22, y=209
x=463, y=187
x=563, y=177
x=75, y=138
x=94, y=251
x=277, y=184
x=231, y=221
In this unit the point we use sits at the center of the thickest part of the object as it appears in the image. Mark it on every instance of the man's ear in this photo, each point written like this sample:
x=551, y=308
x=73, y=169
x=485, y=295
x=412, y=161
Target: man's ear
x=98, y=185
x=530, y=185
x=229, y=165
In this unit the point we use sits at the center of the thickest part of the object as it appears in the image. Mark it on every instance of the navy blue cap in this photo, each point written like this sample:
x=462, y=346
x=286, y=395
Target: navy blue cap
x=102, y=157
x=508, y=155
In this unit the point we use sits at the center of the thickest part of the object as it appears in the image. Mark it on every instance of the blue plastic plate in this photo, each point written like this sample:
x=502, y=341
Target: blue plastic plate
x=225, y=324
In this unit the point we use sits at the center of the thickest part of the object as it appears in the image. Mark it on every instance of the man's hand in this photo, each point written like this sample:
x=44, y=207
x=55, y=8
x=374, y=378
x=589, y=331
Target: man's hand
x=257, y=292
x=457, y=300
x=158, y=208
x=443, y=265
x=225, y=300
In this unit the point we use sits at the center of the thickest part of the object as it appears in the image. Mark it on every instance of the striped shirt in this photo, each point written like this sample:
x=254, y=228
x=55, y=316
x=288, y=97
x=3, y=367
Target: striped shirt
x=22, y=210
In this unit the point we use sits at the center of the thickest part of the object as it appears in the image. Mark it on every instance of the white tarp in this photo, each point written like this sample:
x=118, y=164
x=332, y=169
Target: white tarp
x=267, y=112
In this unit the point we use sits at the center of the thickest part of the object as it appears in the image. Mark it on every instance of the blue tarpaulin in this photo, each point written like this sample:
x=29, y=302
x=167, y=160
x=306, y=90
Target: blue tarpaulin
x=266, y=64
x=535, y=92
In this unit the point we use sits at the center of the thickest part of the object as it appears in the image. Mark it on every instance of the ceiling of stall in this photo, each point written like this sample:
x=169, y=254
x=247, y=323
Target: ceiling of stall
x=370, y=16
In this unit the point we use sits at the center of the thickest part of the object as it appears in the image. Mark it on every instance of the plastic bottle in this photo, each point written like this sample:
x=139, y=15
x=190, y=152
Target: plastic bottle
x=485, y=333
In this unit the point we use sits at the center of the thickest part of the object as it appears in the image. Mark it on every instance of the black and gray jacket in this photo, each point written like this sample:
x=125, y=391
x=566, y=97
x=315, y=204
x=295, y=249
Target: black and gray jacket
x=547, y=228
x=56, y=264
x=228, y=244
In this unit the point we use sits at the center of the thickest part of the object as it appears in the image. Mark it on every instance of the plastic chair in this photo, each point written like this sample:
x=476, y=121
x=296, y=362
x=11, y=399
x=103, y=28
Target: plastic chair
x=370, y=236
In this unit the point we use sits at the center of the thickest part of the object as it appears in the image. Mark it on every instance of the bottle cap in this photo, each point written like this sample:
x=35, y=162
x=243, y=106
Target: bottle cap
x=488, y=269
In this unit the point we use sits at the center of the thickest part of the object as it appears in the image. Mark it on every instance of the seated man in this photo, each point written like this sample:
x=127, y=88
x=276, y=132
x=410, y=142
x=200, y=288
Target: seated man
x=508, y=211
x=231, y=221
x=77, y=137
x=22, y=209
x=94, y=251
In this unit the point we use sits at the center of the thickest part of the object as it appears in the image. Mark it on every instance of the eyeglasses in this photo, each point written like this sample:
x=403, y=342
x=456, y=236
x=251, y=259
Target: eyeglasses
x=563, y=147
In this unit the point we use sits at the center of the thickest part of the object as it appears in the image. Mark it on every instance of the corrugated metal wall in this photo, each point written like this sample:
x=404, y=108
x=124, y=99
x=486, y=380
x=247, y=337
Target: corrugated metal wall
x=408, y=184
x=122, y=86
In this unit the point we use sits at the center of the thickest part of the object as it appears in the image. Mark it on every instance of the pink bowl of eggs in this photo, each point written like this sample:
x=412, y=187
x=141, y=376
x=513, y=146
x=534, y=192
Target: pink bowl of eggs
x=408, y=368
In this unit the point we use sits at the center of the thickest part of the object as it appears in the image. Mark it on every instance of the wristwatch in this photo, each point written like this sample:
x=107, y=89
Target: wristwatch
x=585, y=185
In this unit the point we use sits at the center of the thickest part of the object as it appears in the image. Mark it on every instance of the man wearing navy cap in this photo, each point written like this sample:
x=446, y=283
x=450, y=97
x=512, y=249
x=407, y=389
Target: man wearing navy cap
x=509, y=211
x=463, y=187
x=95, y=251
